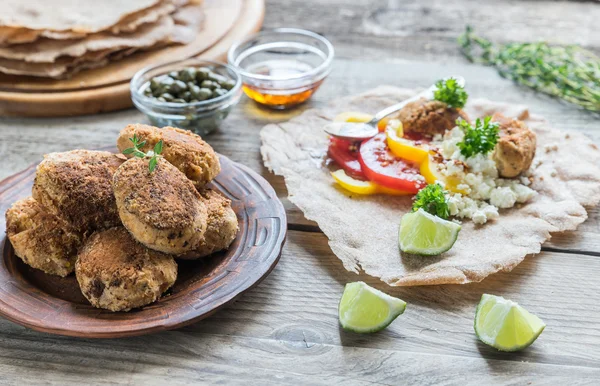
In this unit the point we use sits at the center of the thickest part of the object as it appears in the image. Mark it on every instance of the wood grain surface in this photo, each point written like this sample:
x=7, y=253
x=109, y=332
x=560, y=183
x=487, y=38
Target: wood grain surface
x=285, y=331
x=202, y=287
x=107, y=88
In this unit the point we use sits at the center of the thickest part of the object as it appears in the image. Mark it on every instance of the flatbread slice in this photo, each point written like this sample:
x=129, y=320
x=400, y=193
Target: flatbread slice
x=57, y=69
x=363, y=230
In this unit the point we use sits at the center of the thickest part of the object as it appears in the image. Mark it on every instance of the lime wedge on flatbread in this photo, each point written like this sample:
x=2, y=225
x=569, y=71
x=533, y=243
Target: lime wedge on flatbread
x=422, y=233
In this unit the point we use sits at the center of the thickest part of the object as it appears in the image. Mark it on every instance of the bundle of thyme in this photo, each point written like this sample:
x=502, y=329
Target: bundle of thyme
x=567, y=72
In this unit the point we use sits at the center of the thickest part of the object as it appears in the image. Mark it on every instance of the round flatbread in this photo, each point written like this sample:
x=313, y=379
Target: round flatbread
x=363, y=231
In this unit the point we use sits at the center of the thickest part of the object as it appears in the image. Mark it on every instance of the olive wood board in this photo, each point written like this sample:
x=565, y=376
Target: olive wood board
x=55, y=305
x=107, y=88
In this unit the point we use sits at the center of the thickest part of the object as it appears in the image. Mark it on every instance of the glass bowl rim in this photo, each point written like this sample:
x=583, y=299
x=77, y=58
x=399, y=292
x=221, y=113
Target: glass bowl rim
x=214, y=102
x=284, y=31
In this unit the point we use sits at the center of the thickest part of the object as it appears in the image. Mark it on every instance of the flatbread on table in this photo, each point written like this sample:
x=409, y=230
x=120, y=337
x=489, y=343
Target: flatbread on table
x=63, y=58
x=129, y=23
x=71, y=55
x=363, y=230
x=48, y=50
x=86, y=16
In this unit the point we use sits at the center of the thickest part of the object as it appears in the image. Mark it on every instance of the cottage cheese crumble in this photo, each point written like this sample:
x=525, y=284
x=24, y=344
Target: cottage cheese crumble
x=484, y=191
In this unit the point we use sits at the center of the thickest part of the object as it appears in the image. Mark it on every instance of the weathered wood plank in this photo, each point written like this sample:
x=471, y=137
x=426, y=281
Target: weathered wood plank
x=189, y=358
x=286, y=331
x=427, y=29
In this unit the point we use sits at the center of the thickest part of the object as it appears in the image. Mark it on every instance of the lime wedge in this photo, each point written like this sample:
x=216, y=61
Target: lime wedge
x=364, y=309
x=505, y=325
x=422, y=233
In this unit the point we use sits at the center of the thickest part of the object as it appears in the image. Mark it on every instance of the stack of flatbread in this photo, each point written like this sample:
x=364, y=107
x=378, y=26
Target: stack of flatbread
x=57, y=38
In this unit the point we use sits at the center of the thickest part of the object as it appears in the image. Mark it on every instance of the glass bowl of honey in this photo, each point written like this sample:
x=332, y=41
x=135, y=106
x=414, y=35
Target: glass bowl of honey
x=283, y=67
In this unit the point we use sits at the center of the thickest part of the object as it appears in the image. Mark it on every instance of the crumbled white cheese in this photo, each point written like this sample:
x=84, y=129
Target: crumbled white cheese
x=479, y=217
x=454, y=168
x=523, y=193
x=484, y=191
x=525, y=180
x=503, y=197
x=465, y=207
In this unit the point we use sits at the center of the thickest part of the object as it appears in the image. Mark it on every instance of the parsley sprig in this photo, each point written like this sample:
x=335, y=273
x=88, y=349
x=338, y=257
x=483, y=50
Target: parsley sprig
x=481, y=138
x=451, y=93
x=137, y=152
x=432, y=199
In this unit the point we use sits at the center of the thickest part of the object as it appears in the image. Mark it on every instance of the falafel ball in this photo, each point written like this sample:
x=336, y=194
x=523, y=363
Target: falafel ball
x=40, y=239
x=117, y=273
x=429, y=117
x=222, y=226
x=77, y=186
x=515, y=149
x=162, y=209
x=182, y=148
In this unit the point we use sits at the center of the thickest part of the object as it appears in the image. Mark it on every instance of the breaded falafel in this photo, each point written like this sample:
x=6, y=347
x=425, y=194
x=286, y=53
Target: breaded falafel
x=40, y=239
x=117, y=273
x=77, y=186
x=429, y=117
x=516, y=146
x=162, y=209
x=182, y=148
x=222, y=226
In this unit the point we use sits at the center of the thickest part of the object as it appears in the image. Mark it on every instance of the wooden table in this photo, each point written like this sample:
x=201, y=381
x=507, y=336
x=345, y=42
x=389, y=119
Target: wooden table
x=285, y=331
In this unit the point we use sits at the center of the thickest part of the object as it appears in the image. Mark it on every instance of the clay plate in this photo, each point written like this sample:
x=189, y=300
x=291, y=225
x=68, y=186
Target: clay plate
x=55, y=305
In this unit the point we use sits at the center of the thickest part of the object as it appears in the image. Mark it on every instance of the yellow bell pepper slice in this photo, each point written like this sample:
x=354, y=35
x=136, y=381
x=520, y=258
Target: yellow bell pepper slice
x=363, y=187
x=431, y=173
x=405, y=148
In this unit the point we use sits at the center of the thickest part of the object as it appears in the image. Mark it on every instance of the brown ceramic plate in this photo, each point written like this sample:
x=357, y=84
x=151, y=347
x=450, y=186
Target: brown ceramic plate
x=55, y=305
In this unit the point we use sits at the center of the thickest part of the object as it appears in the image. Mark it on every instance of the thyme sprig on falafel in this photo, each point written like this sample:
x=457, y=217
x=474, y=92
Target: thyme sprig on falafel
x=152, y=154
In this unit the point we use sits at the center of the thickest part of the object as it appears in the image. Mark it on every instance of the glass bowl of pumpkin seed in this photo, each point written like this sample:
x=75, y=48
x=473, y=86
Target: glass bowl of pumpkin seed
x=193, y=94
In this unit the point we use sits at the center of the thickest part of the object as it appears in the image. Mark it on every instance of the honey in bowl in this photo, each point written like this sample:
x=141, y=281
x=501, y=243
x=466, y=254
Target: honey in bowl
x=283, y=67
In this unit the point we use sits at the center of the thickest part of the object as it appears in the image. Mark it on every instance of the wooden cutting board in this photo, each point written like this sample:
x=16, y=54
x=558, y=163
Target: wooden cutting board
x=107, y=88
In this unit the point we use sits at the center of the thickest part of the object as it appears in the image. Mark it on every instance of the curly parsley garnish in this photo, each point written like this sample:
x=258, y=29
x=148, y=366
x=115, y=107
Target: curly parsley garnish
x=481, y=138
x=451, y=93
x=153, y=154
x=432, y=199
